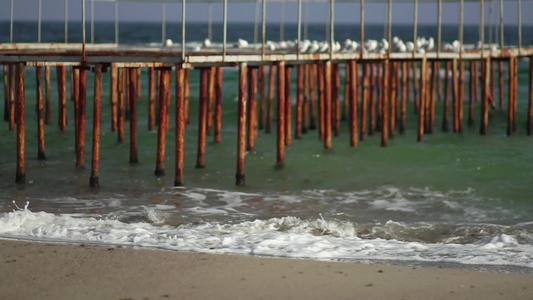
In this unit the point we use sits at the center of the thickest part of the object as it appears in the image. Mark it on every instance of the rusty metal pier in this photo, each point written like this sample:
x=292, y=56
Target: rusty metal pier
x=378, y=86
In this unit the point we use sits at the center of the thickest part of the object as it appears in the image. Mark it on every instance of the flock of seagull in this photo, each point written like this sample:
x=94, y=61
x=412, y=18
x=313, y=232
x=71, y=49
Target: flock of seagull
x=349, y=46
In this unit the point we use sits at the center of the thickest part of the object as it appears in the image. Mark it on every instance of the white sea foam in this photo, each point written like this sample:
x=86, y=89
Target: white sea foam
x=283, y=237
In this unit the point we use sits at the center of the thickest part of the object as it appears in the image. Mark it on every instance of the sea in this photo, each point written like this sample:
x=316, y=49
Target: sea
x=461, y=201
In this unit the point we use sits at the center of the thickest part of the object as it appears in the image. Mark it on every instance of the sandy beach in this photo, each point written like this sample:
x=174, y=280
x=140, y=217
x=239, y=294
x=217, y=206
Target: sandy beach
x=34, y=270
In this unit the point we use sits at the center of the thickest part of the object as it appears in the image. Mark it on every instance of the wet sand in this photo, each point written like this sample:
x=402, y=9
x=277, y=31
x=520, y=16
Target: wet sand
x=33, y=270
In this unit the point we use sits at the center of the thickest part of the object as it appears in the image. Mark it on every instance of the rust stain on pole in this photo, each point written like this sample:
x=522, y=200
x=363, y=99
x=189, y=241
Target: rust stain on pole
x=40, y=113
x=218, y=103
x=500, y=81
x=510, y=100
x=445, y=112
x=321, y=103
x=139, y=84
x=187, y=93
x=529, y=125
x=47, y=115
x=371, y=99
x=151, y=99
x=12, y=99
x=471, y=88
x=515, y=91
x=132, y=97
x=415, y=87
x=364, y=101
x=262, y=79
x=312, y=96
x=120, y=106
x=335, y=99
x=288, y=105
x=305, y=103
x=455, y=97
x=61, y=73
x=161, y=130
x=82, y=99
x=385, y=104
x=94, y=179
x=6, y=93
x=20, y=177
x=211, y=99
x=270, y=109
x=299, y=102
x=403, y=104
x=280, y=155
x=432, y=94
x=461, y=94
x=353, y=85
x=393, y=87
x=327, y=104
x=202, y=117
x=422, y=100
x=346, y=101
x=241, y=141
x=180, y=126
x=113, y=99
x=251, y=107
x=485, y=96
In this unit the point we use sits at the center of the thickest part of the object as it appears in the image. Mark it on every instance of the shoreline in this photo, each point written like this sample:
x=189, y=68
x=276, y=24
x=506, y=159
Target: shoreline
x=40, y=270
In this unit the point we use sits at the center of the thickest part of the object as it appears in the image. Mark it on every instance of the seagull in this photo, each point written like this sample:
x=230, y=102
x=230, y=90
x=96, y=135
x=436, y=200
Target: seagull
x=207, y=43
x=241, y=43
x=314, y=47
x=410, y=46
x=168, y=43
x=456, y=46
x=371, y=45
x=324, y=47
x=430, y=45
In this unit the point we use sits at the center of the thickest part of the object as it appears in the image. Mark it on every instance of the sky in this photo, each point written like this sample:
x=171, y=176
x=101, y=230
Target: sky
x=375, y=13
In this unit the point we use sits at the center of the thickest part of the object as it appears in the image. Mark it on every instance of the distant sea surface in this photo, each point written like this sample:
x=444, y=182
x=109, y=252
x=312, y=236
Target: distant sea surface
x=457, y=200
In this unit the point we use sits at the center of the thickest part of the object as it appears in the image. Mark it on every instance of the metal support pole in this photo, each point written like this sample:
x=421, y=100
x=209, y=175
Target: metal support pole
x=39, y=22
x=362, y=28
x=415, y=25
x=210, y=20
x=461, y=20
x=11, y=23
x=331, y=27
x=183, y=10
x=263, y=20
x=519, y=26
x=306, y=20
x=163, y=23
x=66, y=21
x=256, y=22
x=83, y=30
x=389, y=26
x=116, y=23
x=482, y=25
x=439, y=29
x=225, y=30
x=501, y=25
x=299, y=27
x=281, y=19
x=92, y=21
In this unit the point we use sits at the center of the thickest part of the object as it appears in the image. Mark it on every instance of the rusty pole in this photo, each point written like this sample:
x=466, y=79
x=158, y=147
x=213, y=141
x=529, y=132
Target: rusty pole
x=354, y=99
x=269, y=109
x=403, y=105
x=485, y=96
x=151, y=99
x=346, y=101
x=515, y=91
x=472, y=95
x=385, y=104
x=510, y=115
x=422, y=100
x=202, y=117
x=218, y=104
x=393, y=75
x=288, y=105
x=94, y=179
x=327, y=103
x=455, y=97
x=529, y=125
x=139, y=84
x=364, y=101
x=120, y=106
x=47, y=95
x=299, y=102
x=241, y=140
x=371, y=99
x=312, y=96
x=161, y=130
x=262, y=79
x=500, y=81
x=61, y=74
x=187, y=93
x=6, y=93
x=445, y=122
x=82, y=99
x=461, y=94
x=211, y=99
x=305, y=104
x=415, y=87
x=321, y=103
x=335, y=101
x=431, y=104
x=251, y=109
x=21, y=146
x=180, y=126
x=12, y=100
x=132, y=97
x=40, y=113
x=113, y=96
x=280, y=155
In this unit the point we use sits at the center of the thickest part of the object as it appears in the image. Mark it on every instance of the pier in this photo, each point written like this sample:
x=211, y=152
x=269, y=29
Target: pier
x=383, y=87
